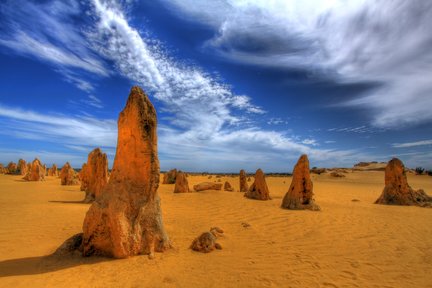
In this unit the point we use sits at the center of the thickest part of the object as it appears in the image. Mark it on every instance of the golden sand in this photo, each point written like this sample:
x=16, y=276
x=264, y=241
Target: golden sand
x=347, y=244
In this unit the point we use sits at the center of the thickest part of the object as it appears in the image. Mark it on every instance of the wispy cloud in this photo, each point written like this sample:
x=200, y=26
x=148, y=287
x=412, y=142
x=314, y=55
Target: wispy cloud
x=386, y=42
x=413, y=144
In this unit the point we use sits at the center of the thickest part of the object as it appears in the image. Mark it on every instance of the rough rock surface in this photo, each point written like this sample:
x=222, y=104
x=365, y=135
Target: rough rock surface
x=228, y=187
x=181, y=184
x=22, y=167
x=68, y=175
x=207, y=186
x=300, y=192
x=2, y=169
x=53, y=171
x=244, y=187
x=11, y=168
x=206, y=242
x=36, y=172
x=95, y=175
x=126, y=219
x=397, y=191
x=259, y=189
x=170, y=177
x=83, y=177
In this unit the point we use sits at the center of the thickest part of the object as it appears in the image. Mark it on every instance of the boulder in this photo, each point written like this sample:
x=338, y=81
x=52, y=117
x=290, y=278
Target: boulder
x=126, y=219
x=36, y=172
x=243, y=181
x=94, y=175
x=22, y=167
x=228, y=187
x=397, y=191
x=170, y=177
x=207, y=186
x=181, y=184
x=300, y=192
x=259, y=189
x=68, y=175
x=206, y=242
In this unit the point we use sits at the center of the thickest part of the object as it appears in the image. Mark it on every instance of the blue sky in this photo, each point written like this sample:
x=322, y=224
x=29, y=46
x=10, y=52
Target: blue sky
x=237, y=84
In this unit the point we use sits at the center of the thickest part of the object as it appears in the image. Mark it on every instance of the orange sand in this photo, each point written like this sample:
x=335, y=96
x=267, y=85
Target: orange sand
x=347, y=244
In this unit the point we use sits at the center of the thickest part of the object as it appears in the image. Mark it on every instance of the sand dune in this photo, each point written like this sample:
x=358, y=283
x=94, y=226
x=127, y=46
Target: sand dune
x=347, y=244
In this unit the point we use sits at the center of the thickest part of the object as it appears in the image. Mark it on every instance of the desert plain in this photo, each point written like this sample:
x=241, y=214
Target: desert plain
x=346, y=244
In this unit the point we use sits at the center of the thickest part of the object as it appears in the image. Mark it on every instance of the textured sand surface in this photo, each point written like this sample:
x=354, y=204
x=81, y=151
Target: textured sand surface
x=347, y=244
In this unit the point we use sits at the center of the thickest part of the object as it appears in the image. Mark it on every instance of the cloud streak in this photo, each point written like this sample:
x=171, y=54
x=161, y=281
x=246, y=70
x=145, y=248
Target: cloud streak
x=385, y=42
x=413, y=144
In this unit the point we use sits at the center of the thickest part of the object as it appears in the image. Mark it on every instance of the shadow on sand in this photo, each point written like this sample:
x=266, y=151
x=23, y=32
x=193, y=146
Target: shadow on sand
x=45, y=264
x=69, y=202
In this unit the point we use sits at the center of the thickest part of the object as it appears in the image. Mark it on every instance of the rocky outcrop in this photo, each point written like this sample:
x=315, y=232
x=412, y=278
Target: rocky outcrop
x=3, y=170
x=370, y=166
x=11, y=168
x=318, y=171
x=259, y=189
x=244, y=187
x=94, y=175
x=300, y=192
x=181, y=184
x=82, y=175
x=53, y=171
x=170, y=177
x=228, y=187
x=68, y=176
x=336, y=174
x=126, y=219
x=36, y=172
x=206, y=242
x=397, y=191
x=207, y=186
x=22, y=167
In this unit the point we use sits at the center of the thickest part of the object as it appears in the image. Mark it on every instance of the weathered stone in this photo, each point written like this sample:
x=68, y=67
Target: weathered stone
x=36, y=172
x=82, y=175
x=170, y=177
x=207, y=186
x=53, y=171
x=22, y=167
x=68, y=176
x=259, y=189
x=397, y=191
x=228, y=187
x=11, y=168
x=244, y=187
x=94, y=175
x=181, y=184
x=206, y=242
x=3, y=170
x=126, y=219
x=300, y=192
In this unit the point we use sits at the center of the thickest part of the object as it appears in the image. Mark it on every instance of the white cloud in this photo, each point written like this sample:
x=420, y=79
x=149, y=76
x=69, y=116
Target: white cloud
x=311, y=142
x=386, y=42
x=412, y=144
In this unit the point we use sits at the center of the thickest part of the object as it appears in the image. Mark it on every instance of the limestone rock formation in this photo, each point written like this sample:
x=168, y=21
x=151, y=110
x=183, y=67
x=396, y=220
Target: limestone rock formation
x=53, y=171
x=3, y=170
x=83, y=177
x=244, y=187
x=337, y=174
x=259, y=189
x=228, y=187
x=300, y=192
x=170, y=177
x=11, y=168
x=22, y=167
x=68, y=175
x=397, y=191
x=206, y=242
x=181, y=184
x=126, y=219
x=318, y=171
x=94, y=175
x=207, y=186
x=36, y=172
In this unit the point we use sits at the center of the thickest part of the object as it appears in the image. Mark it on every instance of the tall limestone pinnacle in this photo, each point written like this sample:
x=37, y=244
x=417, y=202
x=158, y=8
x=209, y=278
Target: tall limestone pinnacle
x=126, y=219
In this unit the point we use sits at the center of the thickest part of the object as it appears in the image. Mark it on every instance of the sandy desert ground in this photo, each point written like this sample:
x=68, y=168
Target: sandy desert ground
x=347, y=244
